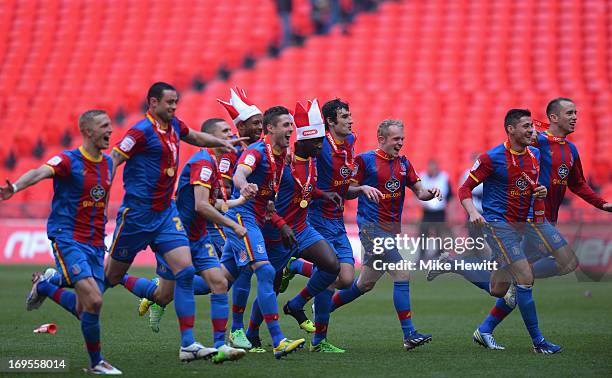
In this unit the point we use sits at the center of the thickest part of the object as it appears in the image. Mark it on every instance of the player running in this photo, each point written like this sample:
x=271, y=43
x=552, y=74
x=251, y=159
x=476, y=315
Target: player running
x=259, y=172
x=384, y=169
x=335, y=165
x=248, y=120
x=81, y=184
x=296, y=192
x=509, y=172
x=148, y=216
x=547, y=251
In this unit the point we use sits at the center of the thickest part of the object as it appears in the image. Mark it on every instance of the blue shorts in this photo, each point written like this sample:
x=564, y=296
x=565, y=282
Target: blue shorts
x=203, y=257
x=217, y=237
x=136, y=230
x=249, y=249
x=279, y=255
x=505, y=240
x=229, y=262
x=76, y=261
x=334, y=232
x=372, y=238
x=541, y=240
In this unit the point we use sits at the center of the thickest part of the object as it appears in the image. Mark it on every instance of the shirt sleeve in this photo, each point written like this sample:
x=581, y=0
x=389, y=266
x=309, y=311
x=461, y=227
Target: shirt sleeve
x=59, y=165
x=183, y=128
x=226, y=165
x=250, y=158
x=358, y=172
x=579, y=186
x=481, y=169
x=202, y=173
x=411, y=176
x=132, y=143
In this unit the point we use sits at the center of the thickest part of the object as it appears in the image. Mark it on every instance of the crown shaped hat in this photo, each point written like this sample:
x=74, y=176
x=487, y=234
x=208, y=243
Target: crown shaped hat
x=308, y=121
x=239, y=107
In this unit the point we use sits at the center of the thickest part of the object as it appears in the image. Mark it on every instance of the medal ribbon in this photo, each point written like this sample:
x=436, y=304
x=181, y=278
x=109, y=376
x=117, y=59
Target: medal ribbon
x=270, y=154
x=349, y=162
x=169, y=142
x=219, y=178
x=310, y=170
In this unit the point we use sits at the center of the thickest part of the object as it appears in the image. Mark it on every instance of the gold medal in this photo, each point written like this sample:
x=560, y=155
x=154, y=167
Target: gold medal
x=303, y=204
x=170, y=172
x=224, y=207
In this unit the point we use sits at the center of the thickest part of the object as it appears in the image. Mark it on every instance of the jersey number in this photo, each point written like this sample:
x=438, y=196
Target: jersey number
x=178, y=224
x=211, y=250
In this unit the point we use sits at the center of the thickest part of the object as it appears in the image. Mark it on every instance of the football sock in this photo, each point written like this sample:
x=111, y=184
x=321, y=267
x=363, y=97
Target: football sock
x=401, y=300
x=184, y=304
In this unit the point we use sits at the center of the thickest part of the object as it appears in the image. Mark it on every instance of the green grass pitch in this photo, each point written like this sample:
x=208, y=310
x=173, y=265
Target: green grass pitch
x=449, y=307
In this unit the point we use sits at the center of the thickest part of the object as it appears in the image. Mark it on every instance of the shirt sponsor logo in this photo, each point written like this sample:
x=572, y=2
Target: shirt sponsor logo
x=260, y=248
x=392, y=185
x=249, y=160
x=54, y=161
x=345, y=171
x=563, y=171
x=127, y=144
x=522, y=184
x=224, y=165
x=97, y=193
x=205, y=174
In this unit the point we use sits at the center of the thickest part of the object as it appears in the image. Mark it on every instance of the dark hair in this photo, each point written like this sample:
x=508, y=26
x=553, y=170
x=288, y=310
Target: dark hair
x=554, y=105
x=209, y=124
x=514, y=115
x=271, y=114
x=157, y=90
x=330, y=110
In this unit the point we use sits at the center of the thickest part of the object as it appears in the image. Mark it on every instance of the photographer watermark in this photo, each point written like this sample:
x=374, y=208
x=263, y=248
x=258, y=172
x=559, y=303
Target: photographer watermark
x=382, y=247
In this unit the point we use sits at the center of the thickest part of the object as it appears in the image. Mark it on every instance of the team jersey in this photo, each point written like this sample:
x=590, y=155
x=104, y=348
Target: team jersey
x=507, y=194
x=334, y=175
x=389, y=175
x=202, y=170
x=560, y=168
x=81, y=185
x=226, y=164
x=150, y=173
x=256, y=159
x=290, y=194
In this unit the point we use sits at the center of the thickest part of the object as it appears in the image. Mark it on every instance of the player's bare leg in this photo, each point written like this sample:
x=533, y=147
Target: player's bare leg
x=114, y=270
x=566, y=260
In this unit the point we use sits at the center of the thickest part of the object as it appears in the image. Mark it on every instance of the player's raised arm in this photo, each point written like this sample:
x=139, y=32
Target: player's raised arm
x=200, y=139
x=578, y=185
x=29, y=178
